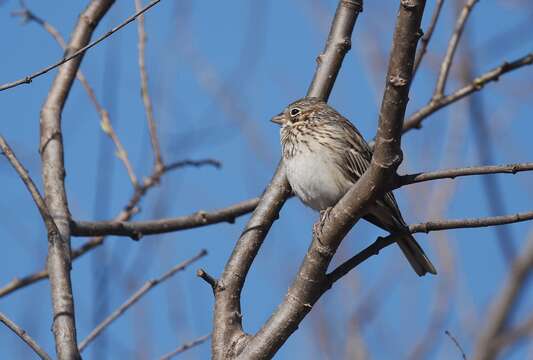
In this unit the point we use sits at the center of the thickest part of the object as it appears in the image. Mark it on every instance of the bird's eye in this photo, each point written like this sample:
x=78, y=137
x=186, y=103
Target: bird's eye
x=295, y=112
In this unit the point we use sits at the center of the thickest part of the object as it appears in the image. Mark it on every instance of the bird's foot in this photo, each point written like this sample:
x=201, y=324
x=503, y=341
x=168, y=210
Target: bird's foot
x=324, y=215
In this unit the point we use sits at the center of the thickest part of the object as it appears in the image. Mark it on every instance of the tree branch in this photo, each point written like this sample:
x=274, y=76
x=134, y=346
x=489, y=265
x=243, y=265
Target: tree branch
x=435, y=104
x=53, y=169
x=105, y=121
x=156, y=148
x=80, y=51
x=185, y=347
x=424, y=41
x=309, y=283
x=21, y=333
x=452, y=46
x=143, y=290
x=137, y=229
x=383, y=242
x=228, y=335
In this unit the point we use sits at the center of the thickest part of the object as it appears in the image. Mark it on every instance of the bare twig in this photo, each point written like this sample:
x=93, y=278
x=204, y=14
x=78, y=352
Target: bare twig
x=457, y=345
x=126, y=214
x=202, y=274
x=21, y=333
x=53, y=169
x=30, y=185
x=426, y=227
x=424, y=41
x=185, y=347
x=452, y=46
x=227, y=324
x=136, y=297
x=105, y=121
x=28, y=79
x=156, y=148
x=137, y=229
x=435, y=104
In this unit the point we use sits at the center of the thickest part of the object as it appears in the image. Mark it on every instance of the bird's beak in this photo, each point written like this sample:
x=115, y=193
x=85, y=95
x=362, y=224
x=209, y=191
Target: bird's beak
x=278, y=119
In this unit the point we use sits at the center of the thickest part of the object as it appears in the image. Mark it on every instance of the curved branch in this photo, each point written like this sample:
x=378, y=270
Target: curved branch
x=424, y=41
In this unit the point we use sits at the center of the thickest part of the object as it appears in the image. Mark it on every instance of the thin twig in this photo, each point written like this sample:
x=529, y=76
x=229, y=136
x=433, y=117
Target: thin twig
x=126, y=214
x=138, y=229
x=435, y=104
x=30, y=185
x=28, y=79
x=452, y=46
x=424, y=41
x=136, y=297
x=105, y=121
x=457, y=345
x=21, y=333
x=156, y=148
x=425, y=227
x=185, y=347
x=202, y=274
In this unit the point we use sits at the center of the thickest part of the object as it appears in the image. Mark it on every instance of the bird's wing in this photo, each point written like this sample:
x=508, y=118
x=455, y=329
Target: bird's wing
x=358, y=155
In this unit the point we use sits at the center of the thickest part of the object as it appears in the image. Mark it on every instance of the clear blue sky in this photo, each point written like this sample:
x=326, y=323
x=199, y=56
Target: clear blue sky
x=257, y=57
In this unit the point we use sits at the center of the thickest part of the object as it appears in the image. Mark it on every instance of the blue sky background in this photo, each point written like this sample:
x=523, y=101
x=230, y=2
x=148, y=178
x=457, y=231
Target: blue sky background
x=217, y=72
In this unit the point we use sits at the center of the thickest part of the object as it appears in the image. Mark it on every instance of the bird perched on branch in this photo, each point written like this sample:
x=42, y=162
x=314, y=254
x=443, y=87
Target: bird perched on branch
x=324, y=156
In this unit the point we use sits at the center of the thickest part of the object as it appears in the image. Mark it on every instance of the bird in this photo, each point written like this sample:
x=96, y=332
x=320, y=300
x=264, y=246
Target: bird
x=324, y=156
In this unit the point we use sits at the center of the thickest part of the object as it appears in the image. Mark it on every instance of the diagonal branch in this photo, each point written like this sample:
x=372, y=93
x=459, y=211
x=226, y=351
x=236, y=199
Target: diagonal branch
x=435, y=104
x=156, y=148
x=79, y=52
x=105, y=121
x=143, y=290
x=126, y=214
x=383, y=242
x=185, y=347
x=311, y=278
x=424, y=41
x=21, y=333
x=228, y=335
x=452, y=46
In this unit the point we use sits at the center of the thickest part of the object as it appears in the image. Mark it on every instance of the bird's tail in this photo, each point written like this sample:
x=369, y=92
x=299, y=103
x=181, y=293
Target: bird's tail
x=416, y=256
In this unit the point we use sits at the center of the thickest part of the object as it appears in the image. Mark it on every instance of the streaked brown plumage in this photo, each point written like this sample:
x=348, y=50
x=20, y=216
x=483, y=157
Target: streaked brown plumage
x=324, y=156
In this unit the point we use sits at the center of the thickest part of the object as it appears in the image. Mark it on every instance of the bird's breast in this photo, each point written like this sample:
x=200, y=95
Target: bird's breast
x=315, y=177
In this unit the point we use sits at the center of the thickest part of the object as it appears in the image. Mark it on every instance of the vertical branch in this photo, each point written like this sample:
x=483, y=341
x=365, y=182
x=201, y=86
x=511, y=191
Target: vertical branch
x=51, y=149
x=228, y=335
x=156, y=148
x=452, y=46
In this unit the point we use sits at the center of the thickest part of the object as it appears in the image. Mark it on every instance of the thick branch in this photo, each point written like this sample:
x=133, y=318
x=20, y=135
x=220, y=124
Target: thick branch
x=21, y=333
x=309, y=283
x=51, y=149
x=136, y=297
x=415, y=120
x=227, y=328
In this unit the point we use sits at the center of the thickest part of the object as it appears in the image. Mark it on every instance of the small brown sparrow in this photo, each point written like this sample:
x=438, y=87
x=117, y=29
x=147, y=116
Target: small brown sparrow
x=324, y=156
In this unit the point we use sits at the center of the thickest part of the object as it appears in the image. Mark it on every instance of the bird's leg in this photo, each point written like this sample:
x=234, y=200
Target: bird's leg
x=324, y=214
